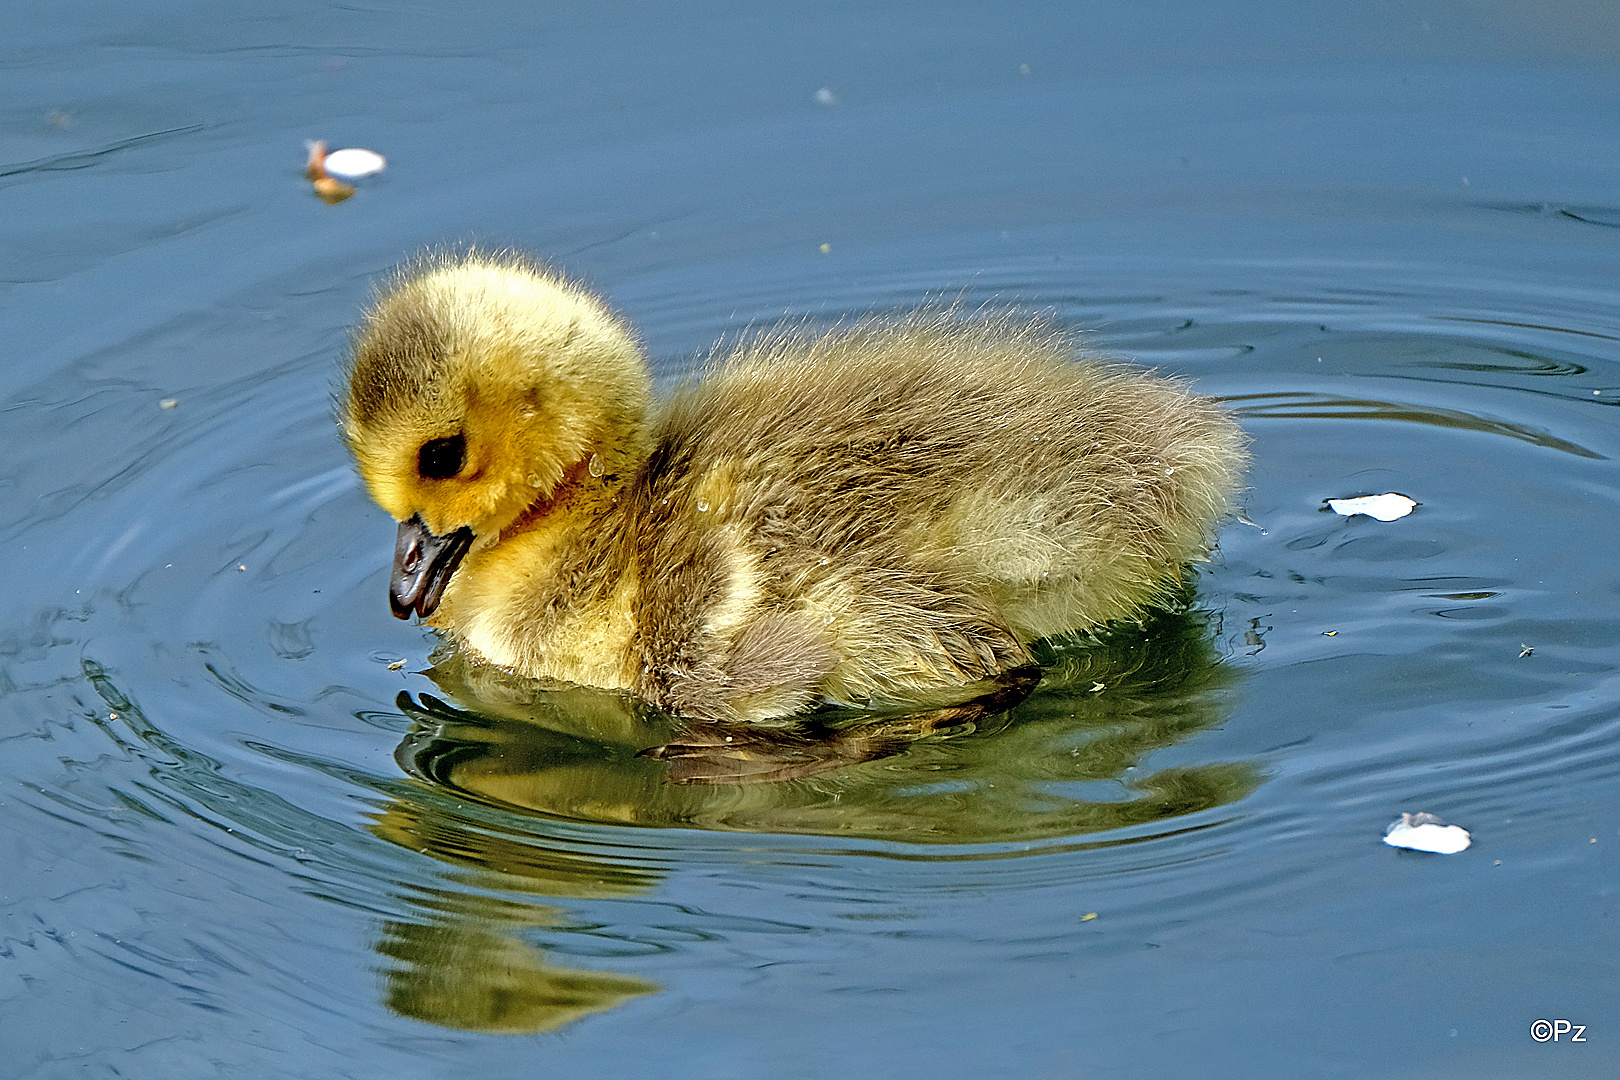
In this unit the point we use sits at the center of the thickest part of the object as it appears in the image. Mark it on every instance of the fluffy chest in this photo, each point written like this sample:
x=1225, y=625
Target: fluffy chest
x=535, y=605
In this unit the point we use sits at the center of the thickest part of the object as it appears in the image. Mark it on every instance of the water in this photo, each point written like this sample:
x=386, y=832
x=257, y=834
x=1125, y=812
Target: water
x=1385, y=233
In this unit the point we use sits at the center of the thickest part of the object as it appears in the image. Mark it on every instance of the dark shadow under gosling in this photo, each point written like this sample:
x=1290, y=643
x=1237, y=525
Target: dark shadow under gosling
x=1051, y=764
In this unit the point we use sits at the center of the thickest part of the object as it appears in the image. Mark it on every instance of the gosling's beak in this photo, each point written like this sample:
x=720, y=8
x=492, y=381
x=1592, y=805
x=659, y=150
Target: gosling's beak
x=423, y=564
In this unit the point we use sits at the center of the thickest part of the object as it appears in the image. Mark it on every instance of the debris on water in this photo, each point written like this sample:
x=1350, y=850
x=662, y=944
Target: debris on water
x=328, y=173
x=353, y=163
x=169, y=403
x=1526, y=650
x=315, y=167
x=332, y=191
x=396, y=665
x=1427, y=832
x=1385, y=507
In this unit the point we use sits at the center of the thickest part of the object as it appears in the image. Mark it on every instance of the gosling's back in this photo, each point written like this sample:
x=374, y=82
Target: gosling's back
x=1068, y=493
x=905, y=505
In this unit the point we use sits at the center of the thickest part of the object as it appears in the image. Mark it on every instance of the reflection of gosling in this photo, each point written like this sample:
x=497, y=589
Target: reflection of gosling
x=461, y=974
x=876, y=515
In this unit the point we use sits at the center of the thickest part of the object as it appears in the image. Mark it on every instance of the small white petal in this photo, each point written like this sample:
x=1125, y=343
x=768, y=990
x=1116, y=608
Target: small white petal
x=351, y=163
x=1426, y=832
x=1385, y=507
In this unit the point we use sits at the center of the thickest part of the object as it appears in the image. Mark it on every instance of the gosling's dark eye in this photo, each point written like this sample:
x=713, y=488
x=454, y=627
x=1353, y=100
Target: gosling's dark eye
x=440, y=459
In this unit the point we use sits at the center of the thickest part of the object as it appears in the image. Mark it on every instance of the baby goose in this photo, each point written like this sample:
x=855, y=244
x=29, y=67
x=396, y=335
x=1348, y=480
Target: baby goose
x=886, y=514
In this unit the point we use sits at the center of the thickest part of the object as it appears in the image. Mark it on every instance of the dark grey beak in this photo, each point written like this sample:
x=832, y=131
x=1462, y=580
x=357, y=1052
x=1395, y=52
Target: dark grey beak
x=423, y=564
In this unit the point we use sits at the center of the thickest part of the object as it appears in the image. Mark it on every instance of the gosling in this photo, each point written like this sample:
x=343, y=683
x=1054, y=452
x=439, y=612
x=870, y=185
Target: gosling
x=885, y=514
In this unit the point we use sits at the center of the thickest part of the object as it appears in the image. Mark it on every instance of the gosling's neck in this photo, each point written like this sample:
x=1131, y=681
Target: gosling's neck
x=555, y=595
x=565, y=549
x=590, y=490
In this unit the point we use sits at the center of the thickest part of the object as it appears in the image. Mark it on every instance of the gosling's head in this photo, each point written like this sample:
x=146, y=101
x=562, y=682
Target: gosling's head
x=477, y=384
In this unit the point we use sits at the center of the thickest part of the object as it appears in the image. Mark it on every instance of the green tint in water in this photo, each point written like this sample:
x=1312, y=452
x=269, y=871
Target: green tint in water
x=1064, y=762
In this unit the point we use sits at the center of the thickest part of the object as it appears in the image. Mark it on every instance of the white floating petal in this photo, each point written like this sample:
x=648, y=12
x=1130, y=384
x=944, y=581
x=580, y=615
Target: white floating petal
x=351, y=163
x=1426, y=832
x=1385, y=507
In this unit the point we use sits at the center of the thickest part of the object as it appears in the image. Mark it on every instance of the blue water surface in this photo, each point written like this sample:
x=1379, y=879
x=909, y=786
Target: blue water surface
x=1387, y=235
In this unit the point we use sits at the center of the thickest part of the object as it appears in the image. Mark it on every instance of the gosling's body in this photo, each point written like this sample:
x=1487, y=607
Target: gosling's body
x=882, y=515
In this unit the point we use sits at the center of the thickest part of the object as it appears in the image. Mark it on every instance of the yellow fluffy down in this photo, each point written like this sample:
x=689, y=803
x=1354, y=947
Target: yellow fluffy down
x=874, y=515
